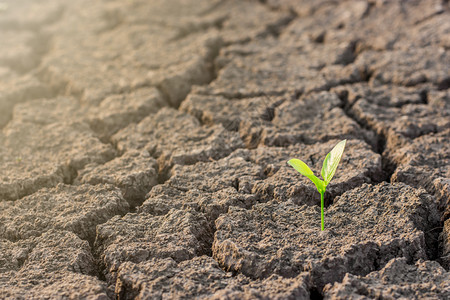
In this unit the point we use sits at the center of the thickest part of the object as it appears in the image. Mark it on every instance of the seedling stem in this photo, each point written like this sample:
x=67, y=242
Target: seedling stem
x=321, y=212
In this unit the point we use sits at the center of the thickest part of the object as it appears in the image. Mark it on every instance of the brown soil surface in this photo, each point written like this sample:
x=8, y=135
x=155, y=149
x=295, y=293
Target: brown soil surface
x=144, y=148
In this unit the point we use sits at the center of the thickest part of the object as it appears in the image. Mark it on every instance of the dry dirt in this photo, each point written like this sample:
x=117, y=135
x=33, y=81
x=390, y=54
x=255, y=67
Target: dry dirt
x=143, y=149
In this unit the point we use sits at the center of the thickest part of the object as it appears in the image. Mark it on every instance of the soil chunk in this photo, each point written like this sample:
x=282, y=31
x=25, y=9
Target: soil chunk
x=181, y=235
x=118, y=111
x=426, y=163
x=202, y=278
x=56, y=265
x=46, y=144
x=177, y=138
x=78, y=209
x=424, y=279
x=135, y=173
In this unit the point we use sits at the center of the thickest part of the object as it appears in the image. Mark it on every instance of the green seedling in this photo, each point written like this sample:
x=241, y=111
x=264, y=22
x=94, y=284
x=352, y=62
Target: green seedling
x=329, y=167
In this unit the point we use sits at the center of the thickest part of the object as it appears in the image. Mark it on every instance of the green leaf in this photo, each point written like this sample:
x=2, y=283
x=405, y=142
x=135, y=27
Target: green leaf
x=303, y=169
x=331, y=162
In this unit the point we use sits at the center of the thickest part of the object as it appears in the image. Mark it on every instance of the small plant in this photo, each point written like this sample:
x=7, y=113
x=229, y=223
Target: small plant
x=329, y=167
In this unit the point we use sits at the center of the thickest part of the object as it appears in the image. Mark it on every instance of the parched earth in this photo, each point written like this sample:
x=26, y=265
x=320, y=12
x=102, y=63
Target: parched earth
x=143, y=149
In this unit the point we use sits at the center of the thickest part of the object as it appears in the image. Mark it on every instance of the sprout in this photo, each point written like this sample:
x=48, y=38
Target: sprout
x=329, y=167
